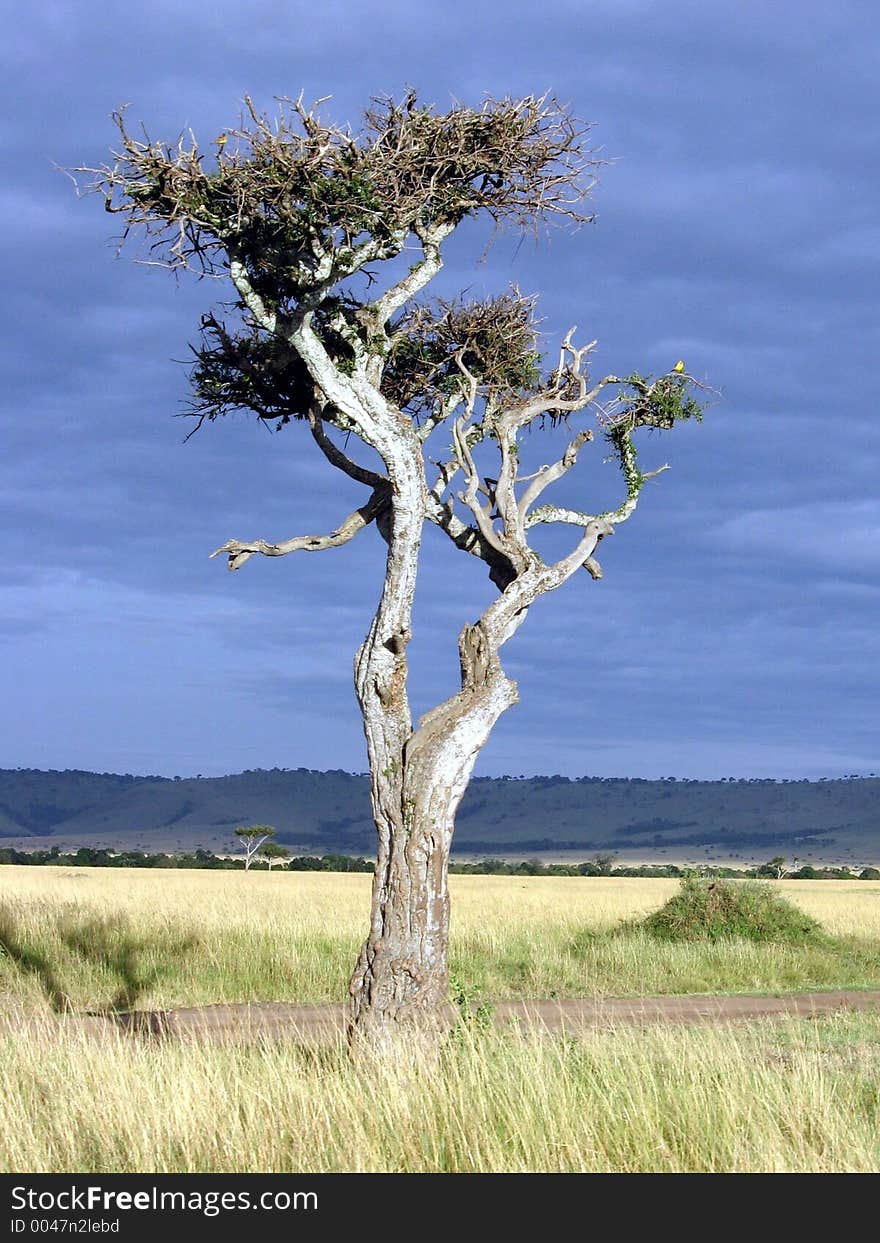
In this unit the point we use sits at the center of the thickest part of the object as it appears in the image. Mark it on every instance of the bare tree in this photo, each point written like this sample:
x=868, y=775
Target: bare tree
x=301, y=216
x=253, y=838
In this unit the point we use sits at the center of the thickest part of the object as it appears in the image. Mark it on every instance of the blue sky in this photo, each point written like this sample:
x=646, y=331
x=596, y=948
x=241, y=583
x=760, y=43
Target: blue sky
x=735, y=631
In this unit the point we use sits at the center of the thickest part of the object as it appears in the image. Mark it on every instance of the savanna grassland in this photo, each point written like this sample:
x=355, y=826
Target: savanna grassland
x=197, y=937
x=789, y=1095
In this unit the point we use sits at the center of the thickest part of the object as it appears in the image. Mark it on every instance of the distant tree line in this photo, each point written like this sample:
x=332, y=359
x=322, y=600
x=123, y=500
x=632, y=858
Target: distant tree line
x=595, y=867
x=598, y=865
x=720, y=839
x=88, y=856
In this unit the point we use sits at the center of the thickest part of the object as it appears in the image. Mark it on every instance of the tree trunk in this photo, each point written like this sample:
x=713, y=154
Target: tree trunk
x=400, y=985
x=400, y=982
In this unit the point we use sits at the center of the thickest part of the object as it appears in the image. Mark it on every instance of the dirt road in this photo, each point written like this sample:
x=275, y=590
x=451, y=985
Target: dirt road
x=325, y=1024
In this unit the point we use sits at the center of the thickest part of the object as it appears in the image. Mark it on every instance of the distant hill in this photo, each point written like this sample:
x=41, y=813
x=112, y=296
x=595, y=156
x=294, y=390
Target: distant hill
x=318, y=812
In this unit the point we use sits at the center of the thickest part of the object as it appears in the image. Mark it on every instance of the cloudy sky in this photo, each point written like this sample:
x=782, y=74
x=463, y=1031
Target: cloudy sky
x=735, y=631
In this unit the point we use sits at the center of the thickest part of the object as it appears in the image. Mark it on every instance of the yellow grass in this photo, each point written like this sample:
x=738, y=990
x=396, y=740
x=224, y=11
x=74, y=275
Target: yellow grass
x=776, y=1097
x=293, y=936
x=315, y=900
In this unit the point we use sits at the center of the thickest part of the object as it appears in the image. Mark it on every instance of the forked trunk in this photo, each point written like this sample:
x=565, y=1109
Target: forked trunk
x=400, y=985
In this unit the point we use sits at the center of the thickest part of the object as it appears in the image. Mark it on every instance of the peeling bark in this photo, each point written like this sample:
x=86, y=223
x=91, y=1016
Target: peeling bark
x=401, y=981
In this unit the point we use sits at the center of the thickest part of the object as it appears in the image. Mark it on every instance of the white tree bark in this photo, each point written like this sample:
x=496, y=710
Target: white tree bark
x=418, y=776
x=264, y=215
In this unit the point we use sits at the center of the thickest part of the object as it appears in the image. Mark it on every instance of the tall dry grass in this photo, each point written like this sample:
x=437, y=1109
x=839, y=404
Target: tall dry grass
x=197, y=937
x=788, y=1096
x=773, y=1097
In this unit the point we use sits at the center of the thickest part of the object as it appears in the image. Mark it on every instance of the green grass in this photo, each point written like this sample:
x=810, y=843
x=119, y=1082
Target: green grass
x=719, y=910
x=633, y=964
x=65, y=957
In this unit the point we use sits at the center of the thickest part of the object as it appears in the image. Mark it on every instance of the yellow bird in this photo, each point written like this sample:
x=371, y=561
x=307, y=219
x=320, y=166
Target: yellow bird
x=679, y=366
x=221, y=140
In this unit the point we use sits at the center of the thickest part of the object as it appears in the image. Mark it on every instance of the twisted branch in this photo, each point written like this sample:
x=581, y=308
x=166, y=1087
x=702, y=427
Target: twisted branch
x=482, y=513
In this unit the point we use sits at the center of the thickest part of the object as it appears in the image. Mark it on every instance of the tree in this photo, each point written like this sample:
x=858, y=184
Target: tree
x=253, y=837
x=311, y=223
x=274, y=853
x=604, y=863
x=776, y=867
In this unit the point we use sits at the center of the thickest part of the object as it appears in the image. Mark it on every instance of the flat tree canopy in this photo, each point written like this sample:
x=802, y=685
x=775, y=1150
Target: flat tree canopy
x=308, y=222
x=253, y=837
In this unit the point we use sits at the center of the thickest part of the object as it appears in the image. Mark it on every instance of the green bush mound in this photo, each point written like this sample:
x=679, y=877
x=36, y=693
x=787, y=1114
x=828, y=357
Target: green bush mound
x=717, y=910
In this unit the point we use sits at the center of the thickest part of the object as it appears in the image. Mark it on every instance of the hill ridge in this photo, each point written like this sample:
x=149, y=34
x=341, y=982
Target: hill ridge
x=323, y=811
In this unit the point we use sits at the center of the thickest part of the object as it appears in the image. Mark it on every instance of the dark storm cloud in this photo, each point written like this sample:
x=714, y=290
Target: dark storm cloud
x=734, y=631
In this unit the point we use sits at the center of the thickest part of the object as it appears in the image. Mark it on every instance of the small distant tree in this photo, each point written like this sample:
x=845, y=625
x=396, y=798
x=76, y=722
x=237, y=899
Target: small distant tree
x=315, y=225
x=273, y=852
x=777, y=867
x=252, y=838
x=604, y=863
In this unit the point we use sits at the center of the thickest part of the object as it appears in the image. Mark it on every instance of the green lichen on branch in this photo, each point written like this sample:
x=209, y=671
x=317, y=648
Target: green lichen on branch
x=627, y=456
x=658, y=404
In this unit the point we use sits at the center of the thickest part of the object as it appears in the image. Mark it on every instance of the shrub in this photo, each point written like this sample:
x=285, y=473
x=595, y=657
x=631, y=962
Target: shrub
x=718, y=910
x=869, y=874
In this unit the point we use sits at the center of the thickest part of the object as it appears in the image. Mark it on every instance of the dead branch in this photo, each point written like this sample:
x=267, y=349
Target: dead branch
x=549, y=474
x=469, y=497
x=240, y=551
x=469, y=539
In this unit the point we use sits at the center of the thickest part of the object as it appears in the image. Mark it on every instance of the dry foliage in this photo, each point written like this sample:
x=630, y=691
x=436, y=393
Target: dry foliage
x=280, y=187
x=294, y=206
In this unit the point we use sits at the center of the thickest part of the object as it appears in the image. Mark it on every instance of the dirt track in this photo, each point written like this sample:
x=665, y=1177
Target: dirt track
x=325, y=1024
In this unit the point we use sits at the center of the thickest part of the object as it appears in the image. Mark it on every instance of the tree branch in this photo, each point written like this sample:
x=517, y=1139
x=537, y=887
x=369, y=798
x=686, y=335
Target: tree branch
x=471, y=540
x=337, y=458
x=240, y=551
x=442, y=412
x=262, y=315
x=469, y=496
x=549, y=474
x=577, y=518
x=582, y=555
x=420, y=275
x=566, y=394
x=361, y=403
